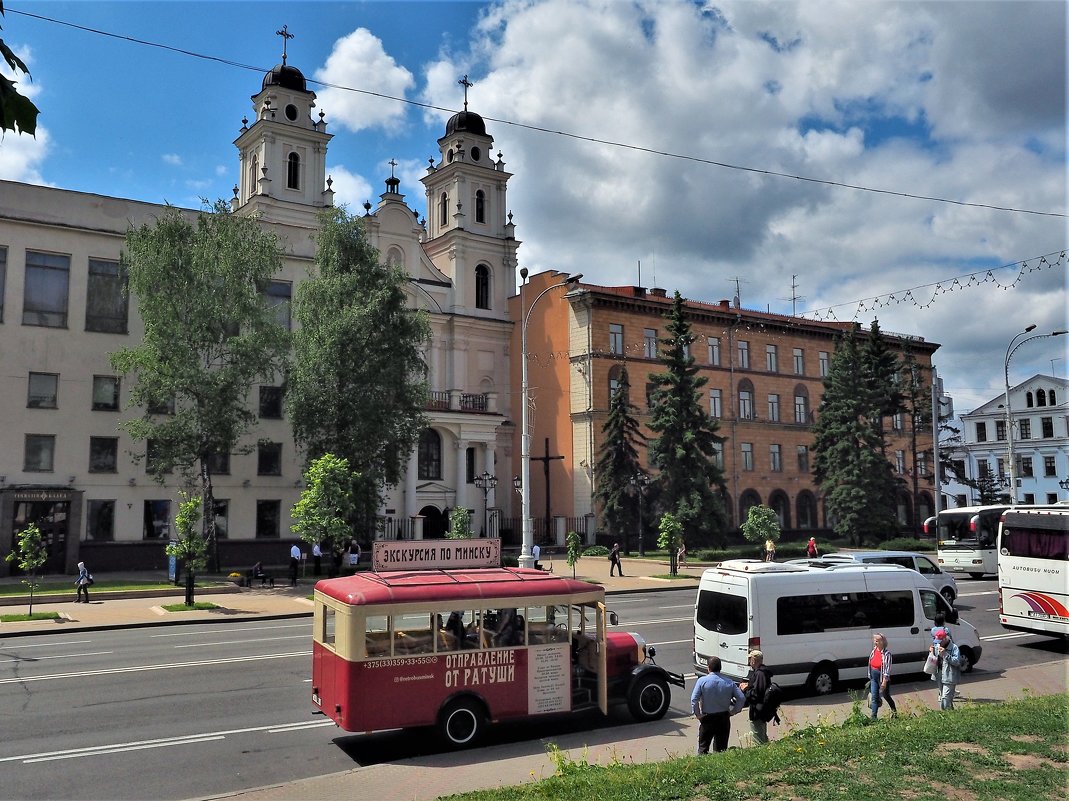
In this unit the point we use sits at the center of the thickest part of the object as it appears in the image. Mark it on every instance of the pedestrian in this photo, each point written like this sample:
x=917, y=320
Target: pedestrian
x=880, y=675
x=536, y=554
x=947, y=669
x=811, y=548
x=82, y=583
x=681, y=555
x=295, y=561
x=354, y=554
x=317, y=558
x=770, y=550
x=754, y=688
x=714, y=700
x=614, y=559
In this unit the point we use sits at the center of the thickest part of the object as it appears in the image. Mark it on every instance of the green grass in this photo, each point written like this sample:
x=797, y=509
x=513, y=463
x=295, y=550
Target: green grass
x=676, y=577
x=182, y=607
x=51, y=589
x=1012, y=751
x=24, y=617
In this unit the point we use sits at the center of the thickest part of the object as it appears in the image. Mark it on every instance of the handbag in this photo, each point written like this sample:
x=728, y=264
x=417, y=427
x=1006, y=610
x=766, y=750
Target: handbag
x=89, y=580
x=931, y=664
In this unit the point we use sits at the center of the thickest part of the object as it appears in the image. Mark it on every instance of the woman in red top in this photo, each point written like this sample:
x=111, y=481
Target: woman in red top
x=880, y=675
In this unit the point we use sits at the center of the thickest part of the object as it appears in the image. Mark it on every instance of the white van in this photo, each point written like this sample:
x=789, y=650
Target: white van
x=815, y=625
x=941, y=579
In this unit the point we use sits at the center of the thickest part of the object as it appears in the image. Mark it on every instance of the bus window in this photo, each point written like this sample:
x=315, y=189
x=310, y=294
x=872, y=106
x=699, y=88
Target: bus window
x=377, y=636
x=457, y=632
x=412, y=634
x=543, y=626
x=326, y=635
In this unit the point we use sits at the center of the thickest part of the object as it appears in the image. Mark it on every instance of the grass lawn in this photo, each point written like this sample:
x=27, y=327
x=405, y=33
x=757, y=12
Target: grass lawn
x=50, y=589
x=14, y=618
x=184, y=608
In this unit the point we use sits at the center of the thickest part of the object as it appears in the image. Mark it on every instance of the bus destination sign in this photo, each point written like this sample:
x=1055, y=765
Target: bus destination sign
x=435, y=554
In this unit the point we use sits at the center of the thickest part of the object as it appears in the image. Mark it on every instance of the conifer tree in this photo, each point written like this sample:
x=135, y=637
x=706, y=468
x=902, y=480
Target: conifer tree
x=881, y=369
x=685, y=449
x=916, y=394
x=618, y=464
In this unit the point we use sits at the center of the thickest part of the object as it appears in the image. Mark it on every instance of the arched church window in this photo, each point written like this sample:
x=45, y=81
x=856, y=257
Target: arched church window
x=1041, y=398
x=480, y=206
x=430, y=456
x=1028, y=400
x=482, y=287
x=254, y=174
x=293, y=171
x=443, y=210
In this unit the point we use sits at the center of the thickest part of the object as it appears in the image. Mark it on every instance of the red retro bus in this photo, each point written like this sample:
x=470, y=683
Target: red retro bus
x=458, y=649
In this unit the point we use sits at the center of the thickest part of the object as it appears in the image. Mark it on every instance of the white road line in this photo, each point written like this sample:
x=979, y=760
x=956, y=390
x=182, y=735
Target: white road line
x=45, y=644
x=977, y=594
x=659, y=643
x=121, y=750
x=315, y=724
x=139, y=668
x=58, y=656
x=1010, y=636
x=199, y=632
x=241, y=642
x=627, y=623
x=992, y=610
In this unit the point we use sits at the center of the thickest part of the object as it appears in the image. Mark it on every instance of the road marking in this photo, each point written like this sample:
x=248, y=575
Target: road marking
x=654, y=622
x=306, y=625
x=57, y=656
x=1010, y=636
x=165, y=666
x=670, y=642
x=977, y=594
x=241, y=642
x=45, y=644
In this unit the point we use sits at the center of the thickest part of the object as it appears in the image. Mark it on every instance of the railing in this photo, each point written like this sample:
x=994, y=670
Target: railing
x=473, y=403
x=445, y=400
x=438, y=400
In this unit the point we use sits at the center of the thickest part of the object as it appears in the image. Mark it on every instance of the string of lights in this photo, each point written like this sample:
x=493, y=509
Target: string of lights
x=550, y=131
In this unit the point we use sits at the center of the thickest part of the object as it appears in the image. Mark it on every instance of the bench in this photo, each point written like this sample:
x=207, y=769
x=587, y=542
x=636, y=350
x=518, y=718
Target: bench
x=266, y=579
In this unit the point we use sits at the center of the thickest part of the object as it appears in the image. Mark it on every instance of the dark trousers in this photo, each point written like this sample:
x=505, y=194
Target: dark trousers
x=293, y=571
x=615, y=565
x=82, y=588
x=317, y=564
x=715, y=729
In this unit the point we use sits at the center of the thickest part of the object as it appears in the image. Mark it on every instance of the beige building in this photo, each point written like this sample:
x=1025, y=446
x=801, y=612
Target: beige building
x=65, y=463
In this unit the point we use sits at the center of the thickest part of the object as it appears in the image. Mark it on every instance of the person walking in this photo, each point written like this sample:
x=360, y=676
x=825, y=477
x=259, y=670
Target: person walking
x=811, y=548
x=948, y=667
x=295, y=561
x=614, y=560
x=714, y=700
x=317, y=559
x=880, y=675
x=82, y=583
x=536, y=555
x=681, y=555
x=770, y=550
x=754, y=688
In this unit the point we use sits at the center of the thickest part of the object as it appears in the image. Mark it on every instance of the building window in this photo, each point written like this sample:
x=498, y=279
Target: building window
x=480, y=206
x=105, y=393
x=1041, y=397
x=651, y=392
x=1028, y=400
x=3, y=279
x=254, y=175
x=279, y=297
x=799, y=361
x=775, y=458
x=803, y=458
x=293, y=171
x=268, y=518
x=773, y=408
x=1025, y=427
x=1026, y=467
x=100, y=520
x=771, y=359
x=1052, y=498
x=824, y=361
x=1047, y=424
x=269, y=459
x=1049, y=468
x=616, y=339
x=443, y=210
x=469, y=466
x=1029, y=498
x=922, y=464
x=801, y=406
x=718, y=455
x=162, y=407
x=649, y=343
x=430, y=455
x=157, y=520
x=270, y=403
x=482, y=287
x=45, y=296
x=900, y=462
x=219, y=463
x=714, y=352
x=744, y=355
x=896, y=421
x=44, y=390
x=1053, y=402
x=745, y=404
x=103, y=454
x=614, y=380
x=715, y=404
x=747, y=455
x=106, y=298
x=40, y=453
x=1000, y=430
x=981, y=431
x=1000, y=467
x=154, y=459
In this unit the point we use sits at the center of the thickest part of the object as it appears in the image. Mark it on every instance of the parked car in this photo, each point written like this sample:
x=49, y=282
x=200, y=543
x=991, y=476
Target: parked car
x=941, y=579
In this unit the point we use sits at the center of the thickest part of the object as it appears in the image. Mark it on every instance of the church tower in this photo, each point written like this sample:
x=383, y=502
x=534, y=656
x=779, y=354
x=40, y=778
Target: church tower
x=283, y=154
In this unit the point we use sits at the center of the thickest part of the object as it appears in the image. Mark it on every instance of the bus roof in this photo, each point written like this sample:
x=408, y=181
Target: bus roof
x=417, y=586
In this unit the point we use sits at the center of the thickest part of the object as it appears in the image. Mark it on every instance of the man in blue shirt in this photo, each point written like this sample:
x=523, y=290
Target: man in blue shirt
x=713, y=702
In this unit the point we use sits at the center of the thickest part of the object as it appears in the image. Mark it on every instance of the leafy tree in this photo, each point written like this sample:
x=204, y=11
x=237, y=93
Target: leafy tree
x=684, y=452
x=670, y=534
x=574, y=543
x=190, y=546
x=325, y=507
x=849, y=464
x=761, y=524
x=459, y=523
x=357, y=387
x=618, y=463
x=209, y=336
x=30, y=554
x=17, y=113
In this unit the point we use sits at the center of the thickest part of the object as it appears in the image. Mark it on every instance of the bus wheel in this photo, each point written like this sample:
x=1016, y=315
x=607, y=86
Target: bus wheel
x=649, y=698
x=823, y=679
x=966, y=660
x=462, y=722
x=948, y=593
x=976, y=575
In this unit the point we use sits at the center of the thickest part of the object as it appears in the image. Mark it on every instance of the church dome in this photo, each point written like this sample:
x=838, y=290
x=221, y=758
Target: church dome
x=287, y=77
x=465, y=122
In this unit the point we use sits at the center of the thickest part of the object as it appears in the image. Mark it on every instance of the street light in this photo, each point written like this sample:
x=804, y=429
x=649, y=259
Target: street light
x=526, y=557
x=1010, y=350
x=640, y=481
x=486, y=482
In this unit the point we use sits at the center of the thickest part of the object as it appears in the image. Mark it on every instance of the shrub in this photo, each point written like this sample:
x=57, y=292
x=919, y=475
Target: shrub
x=905, y=544
x=596, y=550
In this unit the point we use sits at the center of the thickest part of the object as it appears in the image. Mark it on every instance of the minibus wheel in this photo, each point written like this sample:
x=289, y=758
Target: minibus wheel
x=461, y=723
x=649, y=698
x=948, y=593
x=823, y=679
x=976, y=575
x=966, y=660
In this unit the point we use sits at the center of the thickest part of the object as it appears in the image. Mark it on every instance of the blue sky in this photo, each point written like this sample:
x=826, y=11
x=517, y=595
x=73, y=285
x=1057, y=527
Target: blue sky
x=955, y=100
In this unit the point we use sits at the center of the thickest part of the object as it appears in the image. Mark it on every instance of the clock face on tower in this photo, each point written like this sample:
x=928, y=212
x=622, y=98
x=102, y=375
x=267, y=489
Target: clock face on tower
x=291, y=113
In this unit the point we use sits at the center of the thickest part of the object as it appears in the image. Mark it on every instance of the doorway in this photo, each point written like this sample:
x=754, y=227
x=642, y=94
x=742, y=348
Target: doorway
x=52, y=518
x=435, y=523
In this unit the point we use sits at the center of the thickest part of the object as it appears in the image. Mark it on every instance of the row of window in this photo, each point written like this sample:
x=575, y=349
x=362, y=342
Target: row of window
x=1025, y=468
x=1024, y=428
x=775, y=457
x=480, y=208
x=156, y=517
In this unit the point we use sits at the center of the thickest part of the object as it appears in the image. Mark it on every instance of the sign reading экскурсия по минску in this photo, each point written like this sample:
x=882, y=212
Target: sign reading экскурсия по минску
x=435, y=554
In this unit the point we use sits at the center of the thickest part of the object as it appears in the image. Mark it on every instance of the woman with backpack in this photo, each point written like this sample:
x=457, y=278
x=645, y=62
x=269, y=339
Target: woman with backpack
x=880, y=675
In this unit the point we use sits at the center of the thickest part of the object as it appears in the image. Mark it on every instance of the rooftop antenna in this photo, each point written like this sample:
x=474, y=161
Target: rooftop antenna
x=795, y=297
x=286, y=36
x=737, y=300
x=640, y=272
x=467, y=85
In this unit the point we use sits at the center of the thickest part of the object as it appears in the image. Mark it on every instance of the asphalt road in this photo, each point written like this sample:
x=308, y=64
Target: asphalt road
x=200, y=710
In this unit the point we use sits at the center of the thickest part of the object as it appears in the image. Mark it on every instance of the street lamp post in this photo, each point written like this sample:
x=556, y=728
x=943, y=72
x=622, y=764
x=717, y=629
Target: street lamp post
x=1010, y=350
x=640, y=481
x=486, y=482
x=526, y=557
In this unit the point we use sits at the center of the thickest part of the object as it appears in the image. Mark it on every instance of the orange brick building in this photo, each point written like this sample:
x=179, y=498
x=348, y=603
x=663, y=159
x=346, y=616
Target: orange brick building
x=764, y=383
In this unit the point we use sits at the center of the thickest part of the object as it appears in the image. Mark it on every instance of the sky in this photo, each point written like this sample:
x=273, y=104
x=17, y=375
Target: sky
x=856, y=160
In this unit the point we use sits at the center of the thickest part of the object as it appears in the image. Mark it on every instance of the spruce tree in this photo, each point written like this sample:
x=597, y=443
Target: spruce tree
x=881, y=369
x=684, y=452
x=916, y=393
x=618, y=463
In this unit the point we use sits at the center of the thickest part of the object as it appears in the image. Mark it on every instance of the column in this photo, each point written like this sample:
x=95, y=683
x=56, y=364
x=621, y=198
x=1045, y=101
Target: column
x=411, y=472
x=462, y=476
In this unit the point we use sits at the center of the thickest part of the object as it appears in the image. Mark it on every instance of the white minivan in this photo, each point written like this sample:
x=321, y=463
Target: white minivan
x=815, y=625
x=941, y=579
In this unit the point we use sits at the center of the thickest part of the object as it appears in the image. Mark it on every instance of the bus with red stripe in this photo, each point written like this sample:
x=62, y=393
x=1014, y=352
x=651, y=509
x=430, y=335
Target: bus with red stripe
x=1033, y=570
x=459, y=649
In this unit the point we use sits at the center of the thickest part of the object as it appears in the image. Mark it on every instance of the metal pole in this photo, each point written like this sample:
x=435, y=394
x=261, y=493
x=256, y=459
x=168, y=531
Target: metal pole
x=936, y=472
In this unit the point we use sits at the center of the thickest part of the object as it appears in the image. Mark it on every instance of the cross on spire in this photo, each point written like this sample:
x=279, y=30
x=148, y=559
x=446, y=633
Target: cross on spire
x=392, y=164
x=286, y=36
x=467, y=85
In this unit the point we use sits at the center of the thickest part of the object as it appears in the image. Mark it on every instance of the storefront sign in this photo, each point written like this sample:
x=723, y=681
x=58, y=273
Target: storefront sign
x=42, y=495
x=435, y=554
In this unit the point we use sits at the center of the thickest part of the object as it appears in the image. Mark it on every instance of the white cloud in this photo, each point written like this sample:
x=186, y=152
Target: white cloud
x=22, y=155
x=173, y=159
x=358, y=61
x=350, y=189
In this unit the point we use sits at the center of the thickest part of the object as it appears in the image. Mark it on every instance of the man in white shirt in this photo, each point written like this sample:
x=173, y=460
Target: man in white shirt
x=295, y=560
x=536, y=552
x=317, y=558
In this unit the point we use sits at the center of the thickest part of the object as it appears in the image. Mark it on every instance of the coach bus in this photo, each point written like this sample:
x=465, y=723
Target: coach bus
x=461, y=648
x=965, y=538
x=1033, y=571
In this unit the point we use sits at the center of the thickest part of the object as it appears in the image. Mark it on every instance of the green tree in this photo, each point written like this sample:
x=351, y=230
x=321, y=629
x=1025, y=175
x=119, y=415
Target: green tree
x=357, y=387
x=916, y=392
x=849, y=464
x=881, y=370
x=190, y=546
x=685, y=449
x=17, y=112
x=323, y=512
x=459, y=523
x=209, y=336
x=618, y=464
x=574, y=544
x=761, y=524
x=670, y=535
x=30, y=555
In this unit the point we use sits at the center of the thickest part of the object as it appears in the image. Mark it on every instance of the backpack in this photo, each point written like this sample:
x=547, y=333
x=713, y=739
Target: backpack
x=769, y=709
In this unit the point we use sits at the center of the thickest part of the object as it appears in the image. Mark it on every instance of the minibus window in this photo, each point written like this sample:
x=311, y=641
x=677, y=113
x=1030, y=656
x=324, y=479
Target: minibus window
x=377, y=635
x=720, y=612
x=327, y=634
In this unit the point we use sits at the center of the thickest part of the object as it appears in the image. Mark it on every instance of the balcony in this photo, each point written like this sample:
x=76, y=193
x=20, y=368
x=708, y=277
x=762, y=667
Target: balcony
x=453, y=400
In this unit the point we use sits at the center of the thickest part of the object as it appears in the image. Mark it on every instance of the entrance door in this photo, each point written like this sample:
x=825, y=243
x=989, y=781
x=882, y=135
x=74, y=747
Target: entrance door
x=434, y=523
x=52, y=519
